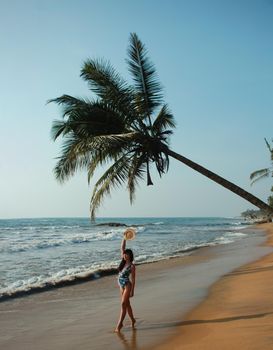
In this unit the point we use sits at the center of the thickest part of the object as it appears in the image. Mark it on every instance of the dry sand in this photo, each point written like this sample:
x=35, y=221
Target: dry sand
x=238, y=313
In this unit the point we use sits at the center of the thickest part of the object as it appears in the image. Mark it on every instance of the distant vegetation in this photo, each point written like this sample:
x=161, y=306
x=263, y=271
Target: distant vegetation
x=256, y=215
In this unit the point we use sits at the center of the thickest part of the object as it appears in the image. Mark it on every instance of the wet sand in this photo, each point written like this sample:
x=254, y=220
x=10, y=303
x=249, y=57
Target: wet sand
x=237, y=314
x=84, y=316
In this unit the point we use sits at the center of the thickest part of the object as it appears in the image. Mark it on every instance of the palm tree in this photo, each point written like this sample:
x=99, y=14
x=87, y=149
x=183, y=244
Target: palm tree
x=126, y=127
x=266, y=172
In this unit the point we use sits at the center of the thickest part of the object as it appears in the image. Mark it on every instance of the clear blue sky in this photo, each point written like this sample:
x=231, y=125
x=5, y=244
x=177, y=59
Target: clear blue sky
x=214, y=59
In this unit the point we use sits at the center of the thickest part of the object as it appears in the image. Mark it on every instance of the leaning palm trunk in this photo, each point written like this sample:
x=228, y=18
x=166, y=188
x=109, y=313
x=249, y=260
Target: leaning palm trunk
x=223, y=182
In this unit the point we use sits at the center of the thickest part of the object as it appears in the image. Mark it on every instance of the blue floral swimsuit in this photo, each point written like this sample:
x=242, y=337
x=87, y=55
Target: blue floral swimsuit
x=123, y=276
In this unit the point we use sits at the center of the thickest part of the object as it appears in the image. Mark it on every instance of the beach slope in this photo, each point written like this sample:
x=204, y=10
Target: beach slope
x=238, y=313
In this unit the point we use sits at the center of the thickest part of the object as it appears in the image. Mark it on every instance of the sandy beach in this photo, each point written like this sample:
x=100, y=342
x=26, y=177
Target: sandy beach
x=83, y=316
x=237, y=314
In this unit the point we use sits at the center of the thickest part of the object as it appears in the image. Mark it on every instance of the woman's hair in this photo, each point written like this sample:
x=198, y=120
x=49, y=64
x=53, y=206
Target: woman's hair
x=123, y=261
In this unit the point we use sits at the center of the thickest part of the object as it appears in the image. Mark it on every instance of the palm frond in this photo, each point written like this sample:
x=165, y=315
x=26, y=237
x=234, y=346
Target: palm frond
x=148, y=91
x=76, y=154
x=114, y=176
x=268, y=145
x=124, y=137
x=106, y=83
x=161, y=160
x=263, y=173
x=163, y=120
x=89, y=118
x=269, y=148
x=113, y=144
x=99, y=158
x=58, y=128
x=136, y=173
x=165, y=135
x=259, y=174
x=70, y=103
x=110, y=147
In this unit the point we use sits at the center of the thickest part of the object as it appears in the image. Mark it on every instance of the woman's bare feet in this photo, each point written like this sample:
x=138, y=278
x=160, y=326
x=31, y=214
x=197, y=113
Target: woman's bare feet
x=118, y=328
x=133, y=323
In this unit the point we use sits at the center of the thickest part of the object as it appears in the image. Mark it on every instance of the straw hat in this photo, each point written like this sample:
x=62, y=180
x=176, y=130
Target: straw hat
x=129, y=233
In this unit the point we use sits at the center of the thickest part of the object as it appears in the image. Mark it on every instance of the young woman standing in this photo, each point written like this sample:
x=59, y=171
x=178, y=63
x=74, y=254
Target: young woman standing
x=127, y=285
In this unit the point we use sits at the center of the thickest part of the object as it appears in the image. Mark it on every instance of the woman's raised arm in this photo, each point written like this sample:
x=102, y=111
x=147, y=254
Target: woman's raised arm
x=122, y=247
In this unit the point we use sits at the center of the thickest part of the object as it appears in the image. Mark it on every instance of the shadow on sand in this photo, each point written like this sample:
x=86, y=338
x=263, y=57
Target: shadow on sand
x=129, y=341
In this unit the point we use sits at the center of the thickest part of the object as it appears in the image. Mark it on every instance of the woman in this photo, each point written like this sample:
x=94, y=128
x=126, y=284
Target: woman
x=126, y=285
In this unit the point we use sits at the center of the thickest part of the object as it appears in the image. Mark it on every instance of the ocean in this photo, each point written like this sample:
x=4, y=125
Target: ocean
x=37, y=254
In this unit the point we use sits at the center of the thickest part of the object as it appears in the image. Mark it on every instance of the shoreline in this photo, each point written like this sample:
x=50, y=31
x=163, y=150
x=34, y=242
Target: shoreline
x=237, y=312
x=88, y=276
x=77, y=315
x=49, y=254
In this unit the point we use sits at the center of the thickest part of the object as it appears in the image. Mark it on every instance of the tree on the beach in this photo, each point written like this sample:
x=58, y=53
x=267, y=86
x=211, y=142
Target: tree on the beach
x=264, y=173
x=126, y=127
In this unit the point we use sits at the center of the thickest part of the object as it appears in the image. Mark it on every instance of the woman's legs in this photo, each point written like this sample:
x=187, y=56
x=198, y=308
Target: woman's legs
x=124, y=305
x=130, y=313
